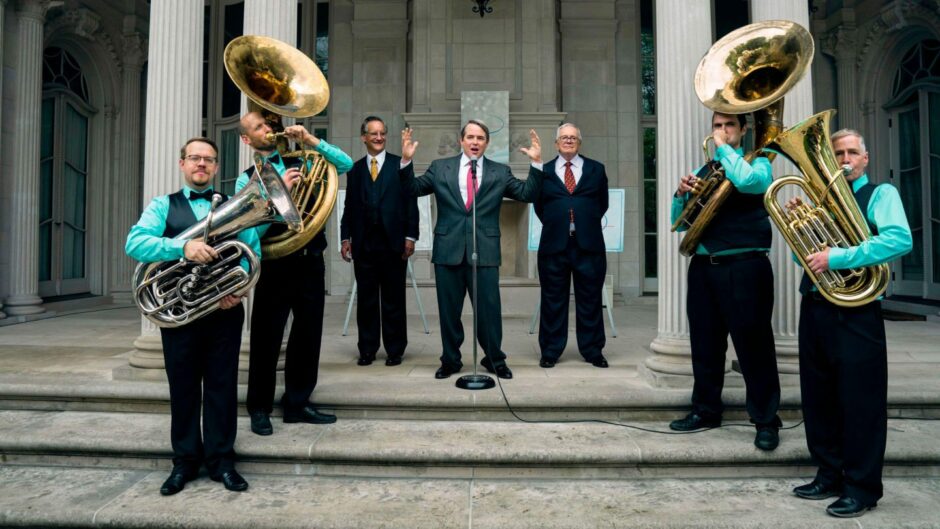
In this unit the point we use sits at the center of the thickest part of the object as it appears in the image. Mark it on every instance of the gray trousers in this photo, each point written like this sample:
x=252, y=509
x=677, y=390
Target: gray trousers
x=454, y=283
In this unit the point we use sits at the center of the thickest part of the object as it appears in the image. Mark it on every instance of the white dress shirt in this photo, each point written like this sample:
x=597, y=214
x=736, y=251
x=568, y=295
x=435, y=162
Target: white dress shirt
x=577, y=167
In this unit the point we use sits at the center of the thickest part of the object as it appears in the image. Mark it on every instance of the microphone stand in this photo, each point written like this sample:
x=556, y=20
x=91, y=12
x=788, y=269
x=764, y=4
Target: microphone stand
x=474, y=381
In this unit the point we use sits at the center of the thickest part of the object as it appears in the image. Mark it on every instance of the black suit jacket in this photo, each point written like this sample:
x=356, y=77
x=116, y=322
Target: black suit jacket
x=397, y=210
x=589, y=202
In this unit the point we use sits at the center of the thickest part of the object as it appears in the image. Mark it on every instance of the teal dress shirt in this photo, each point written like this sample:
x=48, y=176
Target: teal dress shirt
x=752, y=178
x=146, y=243
x=886, y=211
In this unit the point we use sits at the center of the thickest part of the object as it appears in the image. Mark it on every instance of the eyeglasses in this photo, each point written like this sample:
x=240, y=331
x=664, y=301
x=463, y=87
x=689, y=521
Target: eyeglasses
x=566, y=139
x=195, y=158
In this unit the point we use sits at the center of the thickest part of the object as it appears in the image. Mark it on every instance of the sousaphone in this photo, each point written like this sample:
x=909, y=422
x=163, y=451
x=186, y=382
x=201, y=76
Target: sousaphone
x=284, y=81
x=747, y=70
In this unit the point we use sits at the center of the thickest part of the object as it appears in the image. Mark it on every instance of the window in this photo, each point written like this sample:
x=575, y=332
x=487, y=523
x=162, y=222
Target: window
x=63, y=148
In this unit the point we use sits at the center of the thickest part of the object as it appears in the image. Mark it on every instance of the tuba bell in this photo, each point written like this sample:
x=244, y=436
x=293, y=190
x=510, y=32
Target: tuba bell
x=833, y=220
x=174, y=293
x=283, y=81
x=747, y=70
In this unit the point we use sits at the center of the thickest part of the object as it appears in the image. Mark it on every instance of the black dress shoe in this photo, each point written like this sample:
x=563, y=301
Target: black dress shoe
x=767, y=438
x=232, y=480
x=815, y=490
x=393, y=361
x=365, y=360
x=308, y=415
x=847, y=507
x=694, y=421
x=444, y=372
x=600, y=361
x=547, y=363
x=261, y=423
x=177, y=480
x=502, y=370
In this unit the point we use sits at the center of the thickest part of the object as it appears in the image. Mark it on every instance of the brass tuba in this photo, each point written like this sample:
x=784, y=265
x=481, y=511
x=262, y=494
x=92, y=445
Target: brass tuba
x=748, y=70
x=834, y=220
x=174, y=293
x=281, y=79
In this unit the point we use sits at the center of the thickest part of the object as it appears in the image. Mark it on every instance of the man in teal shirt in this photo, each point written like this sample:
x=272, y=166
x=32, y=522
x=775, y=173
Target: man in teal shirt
x=201, y=357
x=843, y=352
x=293, y=283
x=730, y=291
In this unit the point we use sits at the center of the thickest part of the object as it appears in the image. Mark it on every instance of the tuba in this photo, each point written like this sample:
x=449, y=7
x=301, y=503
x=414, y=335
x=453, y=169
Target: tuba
x=748, y=70
x=834, y=220
x=174, y=293
x=282, y=80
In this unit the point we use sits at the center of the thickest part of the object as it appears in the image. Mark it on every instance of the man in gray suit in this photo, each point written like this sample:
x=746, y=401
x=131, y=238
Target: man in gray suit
x=457, y=183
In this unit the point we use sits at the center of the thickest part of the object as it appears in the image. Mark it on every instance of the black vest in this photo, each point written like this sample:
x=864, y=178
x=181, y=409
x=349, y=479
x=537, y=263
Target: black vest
x=741, y=222
x=180, y=216
x=318, y=243
x=862, y=197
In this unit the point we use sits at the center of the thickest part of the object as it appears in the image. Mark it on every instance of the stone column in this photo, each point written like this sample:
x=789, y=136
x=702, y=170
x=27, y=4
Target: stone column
x=3, y=4
x=841, y=44
x=682, y=123
x=270, y=18
x=127, y=145
x=276, y=19
x=798, y=106
x=174, y=110
x=24, y=197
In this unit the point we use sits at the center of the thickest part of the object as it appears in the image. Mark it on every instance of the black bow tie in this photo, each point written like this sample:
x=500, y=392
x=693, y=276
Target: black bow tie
x=205, y=195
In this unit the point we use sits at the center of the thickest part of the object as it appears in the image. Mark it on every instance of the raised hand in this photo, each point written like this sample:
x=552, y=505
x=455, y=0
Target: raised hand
x=301, y=135
x=534, y=150
x=408, y=145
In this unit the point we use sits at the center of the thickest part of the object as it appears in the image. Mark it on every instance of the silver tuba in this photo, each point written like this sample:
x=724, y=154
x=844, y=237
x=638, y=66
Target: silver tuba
x=174, y=293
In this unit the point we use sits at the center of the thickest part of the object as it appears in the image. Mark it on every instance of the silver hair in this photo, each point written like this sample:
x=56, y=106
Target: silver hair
x=563, y=125
x=850, y=132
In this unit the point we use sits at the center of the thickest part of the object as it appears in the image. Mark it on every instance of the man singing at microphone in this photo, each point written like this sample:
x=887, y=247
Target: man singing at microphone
x=457, y=183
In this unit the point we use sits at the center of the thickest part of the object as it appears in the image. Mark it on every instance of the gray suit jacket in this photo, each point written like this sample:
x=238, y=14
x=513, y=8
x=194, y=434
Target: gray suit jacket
x=453, y=240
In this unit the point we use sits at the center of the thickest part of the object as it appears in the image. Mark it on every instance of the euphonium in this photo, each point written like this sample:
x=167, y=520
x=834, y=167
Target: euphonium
x=834, y=220
x=281, y=79
x=748, y=70
x=174, y=293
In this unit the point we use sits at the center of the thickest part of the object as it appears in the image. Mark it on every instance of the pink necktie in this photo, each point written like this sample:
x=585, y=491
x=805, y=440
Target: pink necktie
x=471, y=188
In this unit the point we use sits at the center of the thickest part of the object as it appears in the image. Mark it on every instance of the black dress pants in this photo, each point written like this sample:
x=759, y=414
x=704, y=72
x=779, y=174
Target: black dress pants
x=380, y=303
x=844, y=385
x=294, y=283
x=735, y=297
x=454, y=283
x=201, y=361
x=555, y=273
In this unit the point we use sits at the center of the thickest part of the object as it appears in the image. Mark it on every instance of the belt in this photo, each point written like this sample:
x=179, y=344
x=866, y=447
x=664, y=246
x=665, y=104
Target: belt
x=723, y=259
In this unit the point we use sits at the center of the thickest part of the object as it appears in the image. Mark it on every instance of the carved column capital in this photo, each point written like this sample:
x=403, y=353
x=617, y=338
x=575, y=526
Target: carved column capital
x=840, y=43
x=37, y=9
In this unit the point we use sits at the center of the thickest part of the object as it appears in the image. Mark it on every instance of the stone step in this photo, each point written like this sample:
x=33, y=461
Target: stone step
x=448, y=449
x=37, y=496
x=410, y=392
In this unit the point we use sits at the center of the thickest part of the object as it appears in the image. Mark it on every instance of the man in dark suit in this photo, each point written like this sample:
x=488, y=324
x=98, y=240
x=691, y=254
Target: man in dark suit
x=457, y=183
x=381, y=220
x=570, y=207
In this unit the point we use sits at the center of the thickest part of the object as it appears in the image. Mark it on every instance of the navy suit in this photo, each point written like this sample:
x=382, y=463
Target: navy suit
x=453, y=236
x=377, y=218
x=564, y=253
